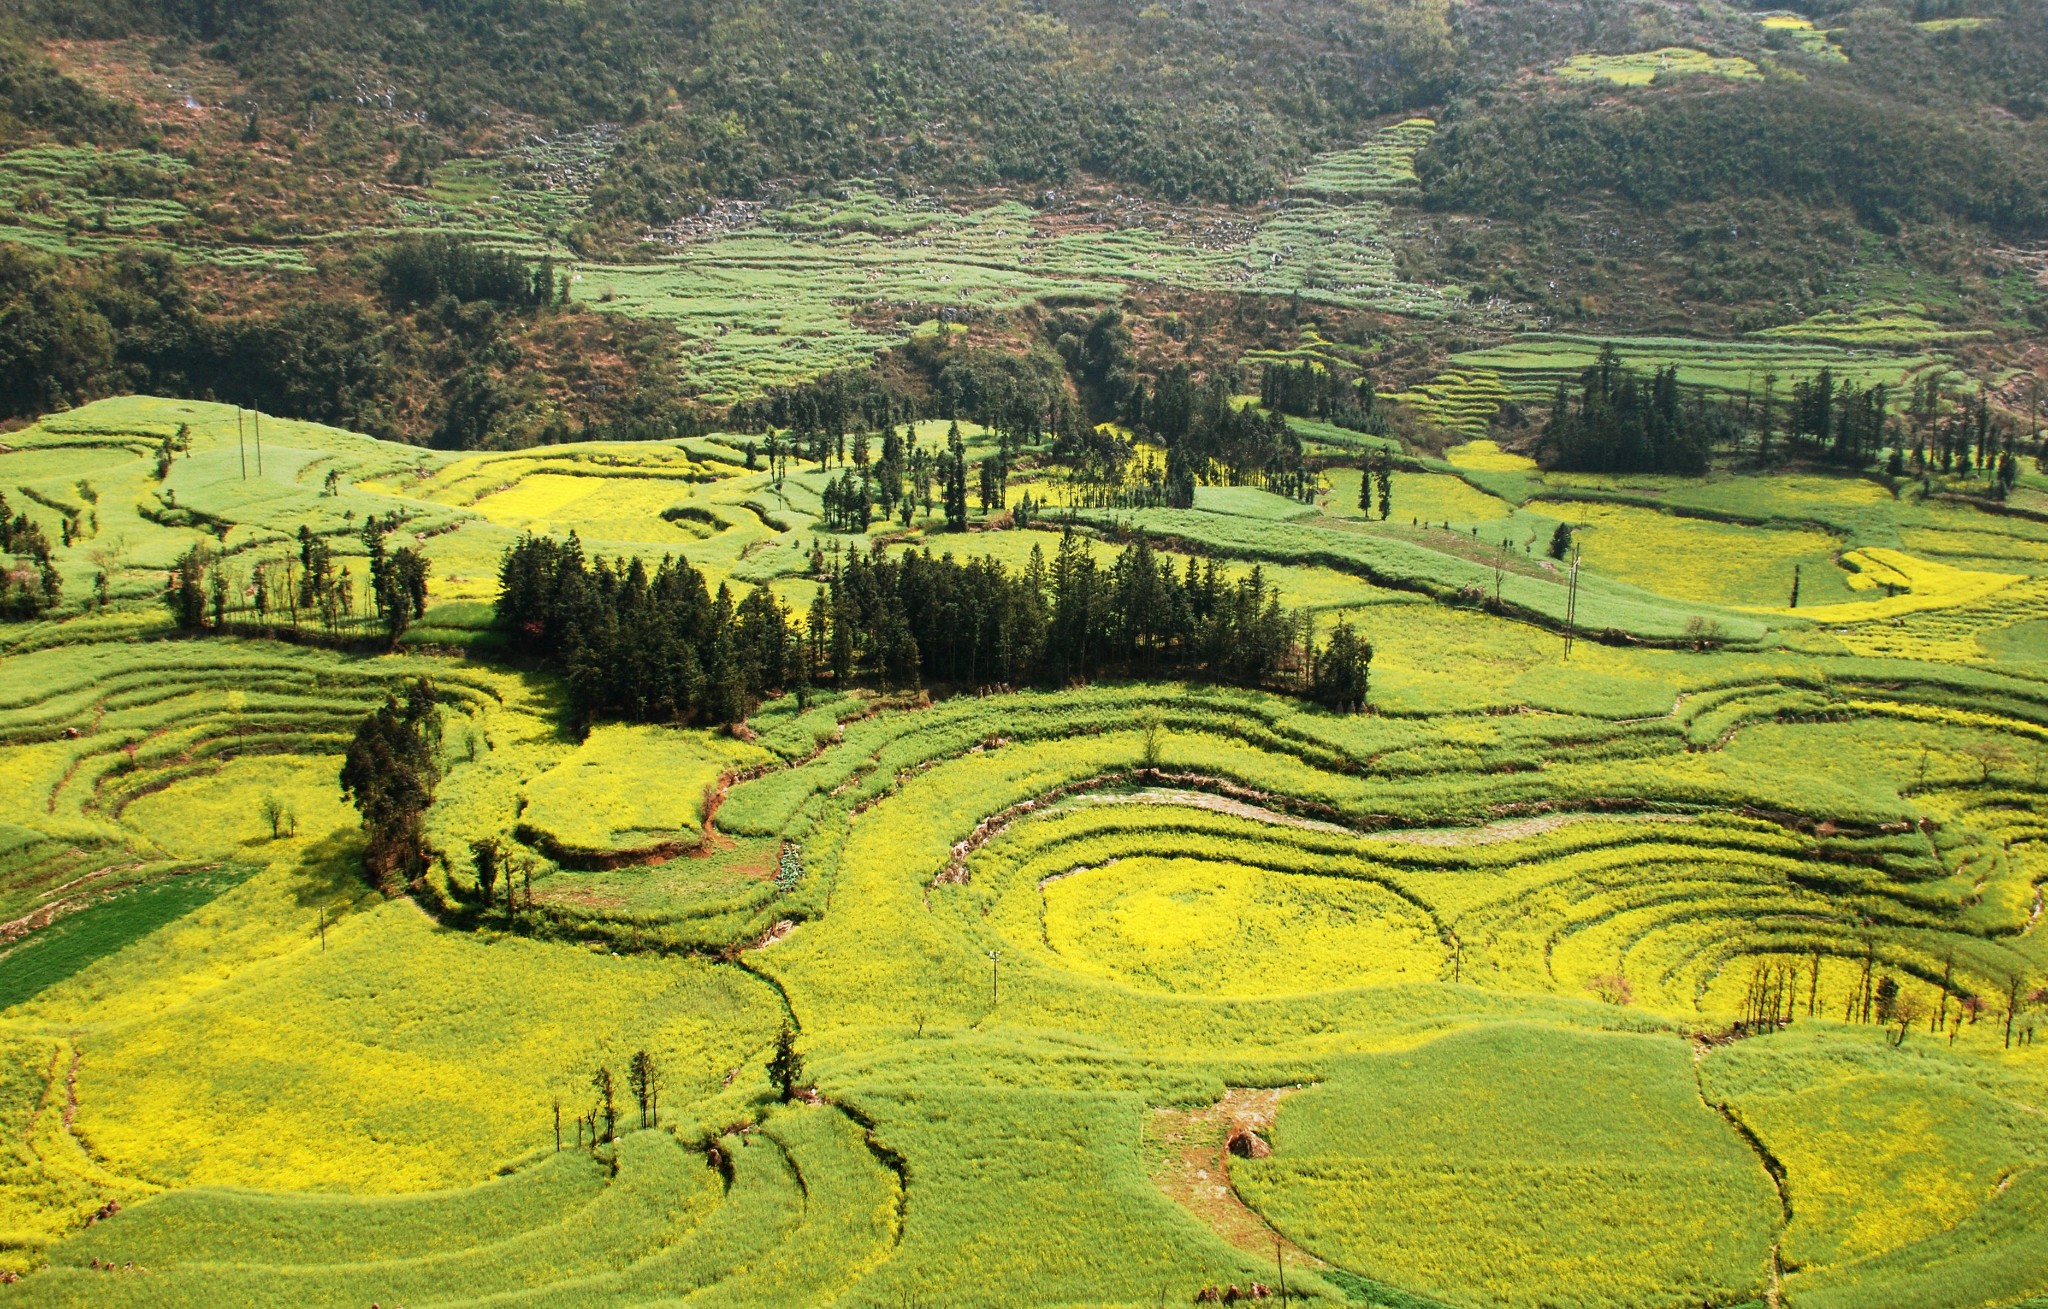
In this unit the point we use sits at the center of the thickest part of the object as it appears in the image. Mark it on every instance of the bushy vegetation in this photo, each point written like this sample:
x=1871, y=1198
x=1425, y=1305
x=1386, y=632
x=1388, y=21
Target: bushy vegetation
x=35, y=96
x=1622, y=422
x=1814, y=141
x=753, y=83
x=426, y=269
x=1038, y=104
x=1307, y=391
x=658, y=646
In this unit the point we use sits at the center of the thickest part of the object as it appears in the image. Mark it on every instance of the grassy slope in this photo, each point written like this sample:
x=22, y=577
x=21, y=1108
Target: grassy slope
x=229, y=1048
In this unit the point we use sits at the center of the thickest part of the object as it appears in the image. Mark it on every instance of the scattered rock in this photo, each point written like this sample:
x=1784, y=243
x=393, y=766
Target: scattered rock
x=1247, y=1144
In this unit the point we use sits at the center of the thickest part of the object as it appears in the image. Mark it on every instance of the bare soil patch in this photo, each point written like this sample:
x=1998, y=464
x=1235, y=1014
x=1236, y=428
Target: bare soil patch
x=1190, y=1156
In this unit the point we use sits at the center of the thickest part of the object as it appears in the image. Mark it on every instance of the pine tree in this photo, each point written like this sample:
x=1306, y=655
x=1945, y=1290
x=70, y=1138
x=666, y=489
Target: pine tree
x=1343, y=670
x=956, y=488
x=890, y=481
x=390, y=772
x=607, y=1106
x=643, y=1078
x=786, y=1065
x=727, y=689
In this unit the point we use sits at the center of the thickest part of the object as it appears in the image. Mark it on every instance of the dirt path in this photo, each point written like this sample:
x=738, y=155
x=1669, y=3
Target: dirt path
x=71, y=1087
x=1221, y=804
x=1511, y=829
x=1773, y=1168
x=1481, y=834
x=1194, y=1168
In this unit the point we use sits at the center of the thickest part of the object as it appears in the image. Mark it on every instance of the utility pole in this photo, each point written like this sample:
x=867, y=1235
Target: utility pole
x=2034, y=409
x=258, y=415
x=241, y=443
x=1571, y=604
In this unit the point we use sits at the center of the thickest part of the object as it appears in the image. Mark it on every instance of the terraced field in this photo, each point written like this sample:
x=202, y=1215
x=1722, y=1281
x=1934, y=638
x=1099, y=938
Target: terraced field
x=1528, y=368
x=87, y=200
x=83, y=200
x=788, y=296
x=1647, y=66
x=1745, y=896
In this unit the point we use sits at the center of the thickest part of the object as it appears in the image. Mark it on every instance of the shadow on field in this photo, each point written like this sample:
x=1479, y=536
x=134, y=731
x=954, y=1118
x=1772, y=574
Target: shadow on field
x=329, y=875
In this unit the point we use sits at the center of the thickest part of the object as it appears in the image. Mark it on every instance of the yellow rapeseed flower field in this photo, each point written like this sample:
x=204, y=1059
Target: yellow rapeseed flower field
x=1913, y=586
x=1481, y=966
x=1214, y=928
x=1487, y=457
x=1697, y=558
x=627, y=788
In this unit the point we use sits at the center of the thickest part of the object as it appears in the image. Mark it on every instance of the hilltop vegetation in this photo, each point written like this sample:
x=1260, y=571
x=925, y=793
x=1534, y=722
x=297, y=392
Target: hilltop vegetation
x=726, y=98
x=1828, y=147
x=719, y=243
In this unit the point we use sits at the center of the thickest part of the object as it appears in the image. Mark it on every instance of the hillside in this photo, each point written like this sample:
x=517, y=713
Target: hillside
x=1355, y=652
x=674, y=162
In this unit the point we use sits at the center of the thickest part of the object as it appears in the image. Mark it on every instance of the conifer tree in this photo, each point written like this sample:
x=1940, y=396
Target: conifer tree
x=390, y=772
x=786, y=1065
x=1343, y=670
x=643, y=1078
x=955, y=473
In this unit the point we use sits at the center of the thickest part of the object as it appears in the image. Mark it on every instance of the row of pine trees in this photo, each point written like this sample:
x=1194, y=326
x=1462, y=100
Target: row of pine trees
x=658, y=645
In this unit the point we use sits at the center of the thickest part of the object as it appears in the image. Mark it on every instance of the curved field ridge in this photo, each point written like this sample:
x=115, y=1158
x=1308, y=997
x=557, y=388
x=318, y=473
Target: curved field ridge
x=1698, y=967
x=806, y=1211
x=1211, y=928
x=1431, y=1169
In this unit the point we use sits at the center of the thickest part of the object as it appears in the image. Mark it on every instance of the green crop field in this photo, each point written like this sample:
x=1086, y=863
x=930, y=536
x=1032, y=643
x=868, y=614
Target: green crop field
x=1649, y=65
x=1527, y=369
x=789, y=296
x=1490, y=955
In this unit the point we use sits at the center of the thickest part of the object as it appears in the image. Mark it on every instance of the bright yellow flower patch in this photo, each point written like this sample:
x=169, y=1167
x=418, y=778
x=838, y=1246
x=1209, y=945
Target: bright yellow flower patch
x=1217, y=928
x=1922, y=585
x=1488, y=457
x=629, y=788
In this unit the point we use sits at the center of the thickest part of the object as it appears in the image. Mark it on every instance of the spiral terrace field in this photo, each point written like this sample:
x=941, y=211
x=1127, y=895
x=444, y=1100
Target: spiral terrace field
x=1499, y=933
